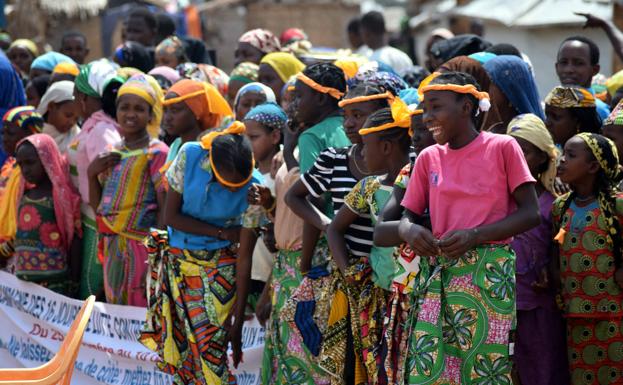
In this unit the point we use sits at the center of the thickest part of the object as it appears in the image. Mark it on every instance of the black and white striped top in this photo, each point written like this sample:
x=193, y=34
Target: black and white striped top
x=331, y=174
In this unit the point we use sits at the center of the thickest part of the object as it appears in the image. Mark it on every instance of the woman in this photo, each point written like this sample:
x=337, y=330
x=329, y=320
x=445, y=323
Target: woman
x=276, y=69
x=21, y=53
x=251, y=95
x=254, y=44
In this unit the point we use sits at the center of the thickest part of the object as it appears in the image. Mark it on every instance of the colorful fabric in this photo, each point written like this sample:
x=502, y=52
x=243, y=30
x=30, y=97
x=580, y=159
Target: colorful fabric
x=350, y=65
x=135, y=55
x=172, y=45
x=190, y=295
x=58, y=92
x=147, y=88
x=262, y=39
x=10, y=185
x=285, y=64
x=531, y=128
x=49, y=60
x=482, y=57
x=292, y=34
x=167, y=72
x=246, y=72
x=388, y=80
x=206, y=73
x=63, y=139
x=66, y=68
x=206, y=103
x=11, y=93
x=598, y=85
x=25, y=117
x=92, y=273
x=94, y=77
x=270, y=115
x=570, y=97
x=614, y=83
x=401, y=116
x=26, y=43
x=258, y=88
x=128, y=205
x=616, y=116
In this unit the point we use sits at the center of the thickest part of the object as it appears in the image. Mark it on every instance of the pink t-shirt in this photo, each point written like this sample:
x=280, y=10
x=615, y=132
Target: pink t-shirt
x=468, y=187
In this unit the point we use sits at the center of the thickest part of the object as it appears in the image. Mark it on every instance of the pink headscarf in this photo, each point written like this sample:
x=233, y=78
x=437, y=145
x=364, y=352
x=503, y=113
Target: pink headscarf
x=262, y=39
x=66, y=200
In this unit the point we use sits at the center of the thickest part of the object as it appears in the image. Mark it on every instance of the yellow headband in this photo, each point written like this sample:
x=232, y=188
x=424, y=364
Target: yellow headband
x=400, y=114
x=138, y=92
x=236, y=128
x=361, y=99
x=325, y=90
x=482, y=96
x=168, y=102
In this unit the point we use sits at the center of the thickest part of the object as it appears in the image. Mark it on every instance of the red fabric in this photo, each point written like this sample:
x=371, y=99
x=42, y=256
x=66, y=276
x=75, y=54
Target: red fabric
x=291, y=35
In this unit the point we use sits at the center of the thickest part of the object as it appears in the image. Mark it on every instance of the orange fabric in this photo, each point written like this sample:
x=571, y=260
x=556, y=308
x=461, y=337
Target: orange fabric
x=466, y=89
x=400, y=114
x=337, y=94
x=193, y=22
x=361, y=99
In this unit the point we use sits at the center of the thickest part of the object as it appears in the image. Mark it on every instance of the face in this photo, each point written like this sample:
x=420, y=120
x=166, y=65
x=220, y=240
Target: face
x=355, y=39
x=178, y=118
x=21, y=58
x=232, y=90
x=247, y=52
x=32, y=96
x=366, y=36
x=86, y=105
x=577, y=162
x=442, y=109
x=63, y=116
x=306, y=102
x=355, y=116
x=76, y=48
x=136, y=29
x=268, y=77
x=422, y=137
x=247, y=102
x=573, y=65
x=34, y=72
x=537, y=160
x=264, y=143
x=166, y=59
x=560, y=123
x=30, y=164
x=374, y=153
x=133, y=114
x=12, y=134
x=615, y=133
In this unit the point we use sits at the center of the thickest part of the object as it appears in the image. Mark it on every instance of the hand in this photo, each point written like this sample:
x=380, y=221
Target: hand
x=419, y=238
x=618, y=276
x=542, y=282
x=276, y=163
x=260, y=195
x=268, y=237
x=458, y=242
x=231, y=234
x=264, y=306
x=560, y=188
x=291, y=135
x=103, y=162
x=592, y=21
x=235, y=337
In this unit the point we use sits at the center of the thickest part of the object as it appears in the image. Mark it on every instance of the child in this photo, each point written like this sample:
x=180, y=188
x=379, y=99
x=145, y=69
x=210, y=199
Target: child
x=244, y=73
x=47, y=242
x=61, y=114
x=540, y=347
x=275, y=70
x=469, y=238
x=126, y=192
x=386, y=143
x=35, y=89
x=613, y=128
x=74, y=44
x=590, y=258
x=18, y=123
x=193, y=265
x=170, y=52
x=568, y=111
x=249, y=96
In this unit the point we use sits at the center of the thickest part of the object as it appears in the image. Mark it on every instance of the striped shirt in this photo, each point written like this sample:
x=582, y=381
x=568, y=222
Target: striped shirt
x=331, y=174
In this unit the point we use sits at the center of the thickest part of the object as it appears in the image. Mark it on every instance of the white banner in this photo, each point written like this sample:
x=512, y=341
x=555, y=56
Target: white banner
x=34, y=321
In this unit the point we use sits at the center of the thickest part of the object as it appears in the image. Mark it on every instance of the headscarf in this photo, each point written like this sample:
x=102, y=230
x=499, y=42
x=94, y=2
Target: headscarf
x=245, y=72
x=26, y=43
x=65, y=68
x=482, y=57
x=570, y=97
x=350, y=65
x=513, y=76
x=172, y=45
x=614, y=83
x=166, y=72
x=270, y=115
x=11, y=93
x=442, y=33
x=598, y=84
x=379, y=74
x=291, y=35
x=58, y=92
x=49, y=60
x=285, y=64
x=66, y=200
x=94, y=77
x=135, y=55
x=401, y=116
x=616, y=116
x=25, y=117
x=206, y=73
x=409, y=96
x=255, y=87
x=262, y=39
x=531, y=128
x=460, y=45
x=206, y=103
x=148, y=89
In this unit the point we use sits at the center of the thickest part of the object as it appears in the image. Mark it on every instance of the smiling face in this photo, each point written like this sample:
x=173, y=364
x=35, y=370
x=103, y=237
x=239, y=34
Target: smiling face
x=441, y=112
x=133, y=114
x=577, y=162
x=30, y=164
x=560, y=123
x=355, y=116
x=573, y=65
x=21, y=57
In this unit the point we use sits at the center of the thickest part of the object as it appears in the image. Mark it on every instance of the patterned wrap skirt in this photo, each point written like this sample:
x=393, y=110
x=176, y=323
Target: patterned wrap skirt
x=92, y=274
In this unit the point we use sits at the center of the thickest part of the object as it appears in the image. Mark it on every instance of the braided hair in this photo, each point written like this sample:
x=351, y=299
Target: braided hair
x=461, y=79
x=233, y=154
x=399, y=135
x=328, y=75
x=368, y=89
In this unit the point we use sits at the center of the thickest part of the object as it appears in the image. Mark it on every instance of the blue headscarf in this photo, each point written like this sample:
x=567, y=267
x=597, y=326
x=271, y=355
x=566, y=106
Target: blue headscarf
x=11, y=93
x=255, y=87
x=409, y=96
x=482, y=57
x=49, y=60
x=268, y=114
x=513, y=76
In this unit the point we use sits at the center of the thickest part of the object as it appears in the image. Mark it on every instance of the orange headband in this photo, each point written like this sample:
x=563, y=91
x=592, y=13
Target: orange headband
x=236, y=128
x=361, y=99
x=322, y=89
x=400, y=114
x=168, y=102
x=482, y=96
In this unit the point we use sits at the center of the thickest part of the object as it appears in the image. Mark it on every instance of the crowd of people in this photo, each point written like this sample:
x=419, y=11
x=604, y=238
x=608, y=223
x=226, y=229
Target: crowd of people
x=387, y=223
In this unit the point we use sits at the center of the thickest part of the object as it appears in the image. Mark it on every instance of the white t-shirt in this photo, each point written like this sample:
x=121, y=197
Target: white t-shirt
x=262, y=264
x=393, y=57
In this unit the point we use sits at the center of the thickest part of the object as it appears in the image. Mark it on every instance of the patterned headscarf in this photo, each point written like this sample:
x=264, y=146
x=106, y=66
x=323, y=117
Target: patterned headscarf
x=206, y=73
x=285, y=64
x=616, y=116
x=570, y=97
x=148, y=89
x=605, y=151
x=270, y=115
x=166, y=72
x=255, y=87
x=66, y=199
x=262, y=39
x=172, y=45
x=531, y=128
x=26, y=43
x=245, y=72
x=25, y=117
x=49, y=60
x=94, y=77
x=58, y=92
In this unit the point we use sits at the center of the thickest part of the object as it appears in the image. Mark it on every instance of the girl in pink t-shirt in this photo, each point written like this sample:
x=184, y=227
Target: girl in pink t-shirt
x=479, y=192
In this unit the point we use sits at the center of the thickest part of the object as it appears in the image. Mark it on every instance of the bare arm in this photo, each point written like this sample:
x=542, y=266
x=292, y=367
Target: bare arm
x=335, y=235
x=386, y=229
x=296, y=198
x=100, y=164
x=311, y=235
x=614, y=35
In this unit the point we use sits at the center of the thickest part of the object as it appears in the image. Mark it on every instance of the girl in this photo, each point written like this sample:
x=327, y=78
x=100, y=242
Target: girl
x=95, y=92
x=275, y=70
x=47, y=242
x=192, y=108
x=590, y=258
x=540, y=347
x=613, y=128
x=61, y=114
x=35, y=89
x=251, y=95
x=18, y=123
x=468, y=267
x=387, y=145
x=570, y=110
x=193, y=265
x=170, y=52
x=126, y=192
x=244, y=73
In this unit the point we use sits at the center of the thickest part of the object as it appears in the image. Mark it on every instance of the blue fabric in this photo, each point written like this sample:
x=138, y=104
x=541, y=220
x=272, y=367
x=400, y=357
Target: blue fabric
x=409, y=96
x=482, y=57
x=304, y=320
x=513, y=76
x=268, y=114
x=11, y=93
x=208, y=201
x=49, y=60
